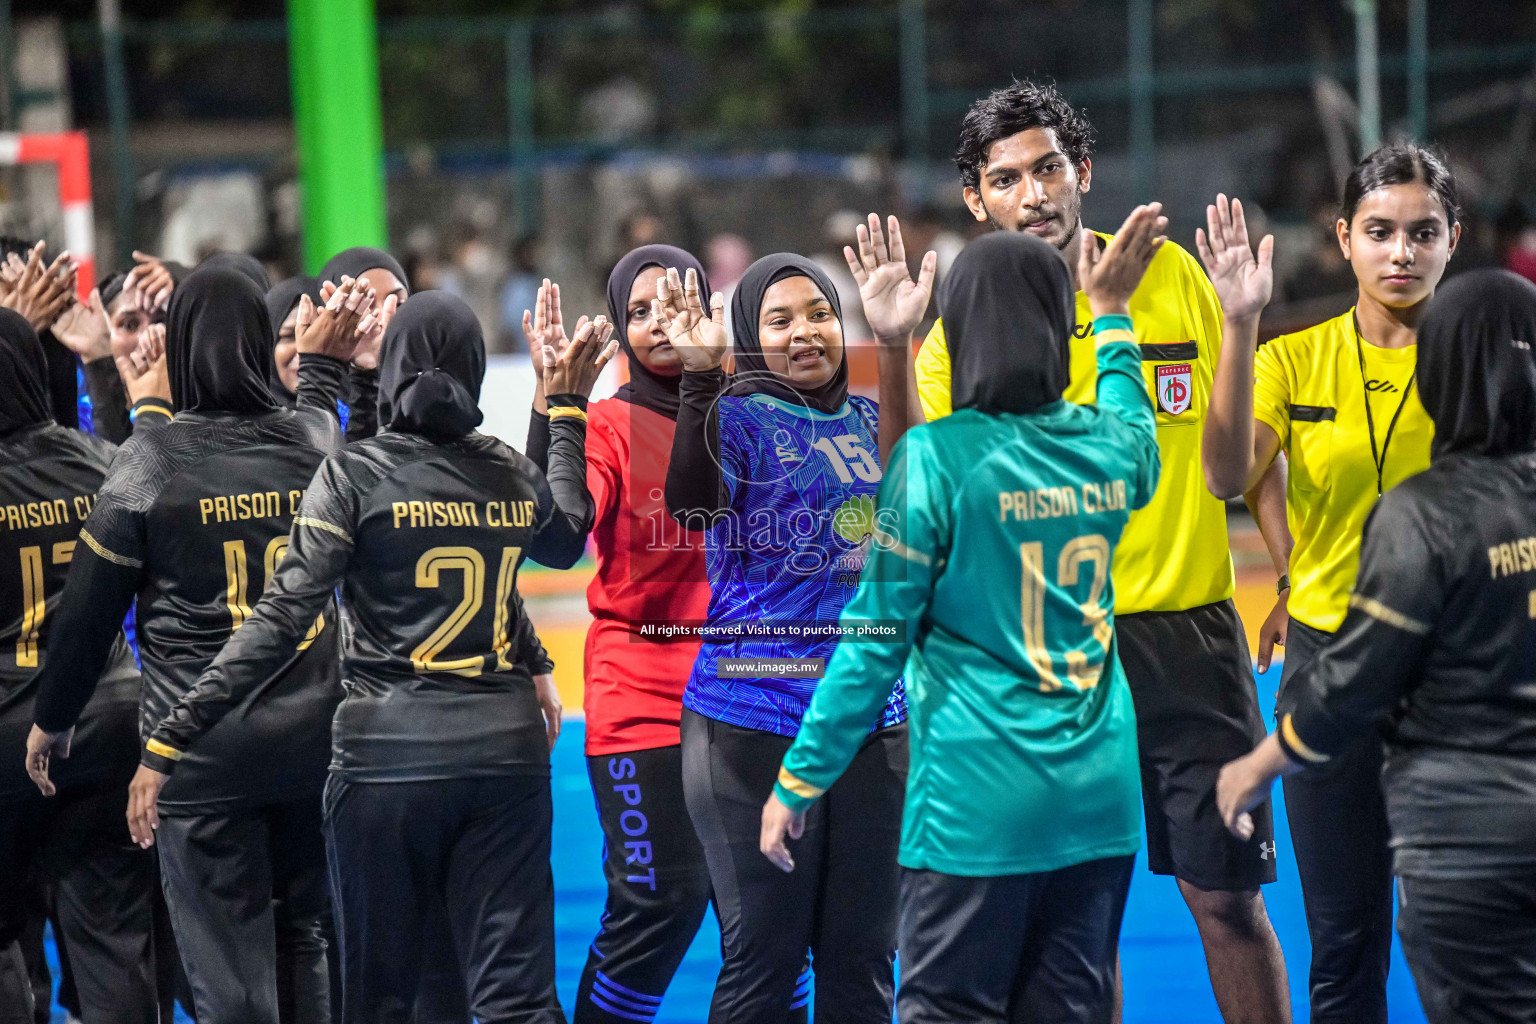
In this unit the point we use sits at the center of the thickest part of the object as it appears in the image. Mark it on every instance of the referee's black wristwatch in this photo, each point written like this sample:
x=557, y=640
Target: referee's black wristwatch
x=1283, y=584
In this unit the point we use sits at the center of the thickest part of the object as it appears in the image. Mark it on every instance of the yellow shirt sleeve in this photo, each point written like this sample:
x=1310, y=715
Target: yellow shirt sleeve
x=1272, y=389
x=932, y=369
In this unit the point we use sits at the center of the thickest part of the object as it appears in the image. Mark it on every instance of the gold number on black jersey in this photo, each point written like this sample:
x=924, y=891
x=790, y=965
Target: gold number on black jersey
x=237, y=583
x=429, y=569
x=34, y=602
x=34, y=598
x=1082, y=673
x=277, y=547
x=504, y=581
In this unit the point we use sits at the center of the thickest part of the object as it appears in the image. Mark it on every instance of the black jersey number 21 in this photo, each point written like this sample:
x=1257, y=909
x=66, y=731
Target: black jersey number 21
x=467, y=561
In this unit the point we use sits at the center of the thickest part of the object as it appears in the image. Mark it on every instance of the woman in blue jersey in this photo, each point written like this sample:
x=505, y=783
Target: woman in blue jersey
x=780, y=466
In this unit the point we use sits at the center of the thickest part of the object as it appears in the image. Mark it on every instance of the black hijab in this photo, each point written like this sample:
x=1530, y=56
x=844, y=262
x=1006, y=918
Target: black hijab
x=218, y=343
x=651, y=390
x=431, y=368
x=111, y=288
x=281, y=299
x=250, y=266
x=1008, y=310
x=752, y=374
x=1476, y=374
x=358, y=260
x=24, y=371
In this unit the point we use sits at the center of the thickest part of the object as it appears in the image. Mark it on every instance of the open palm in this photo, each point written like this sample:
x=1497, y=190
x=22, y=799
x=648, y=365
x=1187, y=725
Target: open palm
x=1243, y=283
x=544, y=328
x=698, y=335
x=894, y=304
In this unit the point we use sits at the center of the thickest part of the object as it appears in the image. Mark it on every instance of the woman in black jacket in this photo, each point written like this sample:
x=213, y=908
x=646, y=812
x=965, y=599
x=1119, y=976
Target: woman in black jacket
x=440, y=758
x=1439, y=648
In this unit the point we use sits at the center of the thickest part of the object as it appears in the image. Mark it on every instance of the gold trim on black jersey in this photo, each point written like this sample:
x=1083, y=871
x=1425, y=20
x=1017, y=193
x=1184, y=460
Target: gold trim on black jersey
x=1391, y=616
x=111, y=556
x=321, y=524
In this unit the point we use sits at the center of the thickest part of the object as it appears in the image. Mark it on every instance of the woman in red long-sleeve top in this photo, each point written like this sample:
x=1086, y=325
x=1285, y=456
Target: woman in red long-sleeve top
x=650, y=576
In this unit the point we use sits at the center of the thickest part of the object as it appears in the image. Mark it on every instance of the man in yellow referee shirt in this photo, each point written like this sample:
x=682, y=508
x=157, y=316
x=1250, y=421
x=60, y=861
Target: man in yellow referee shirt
x=1024, y=163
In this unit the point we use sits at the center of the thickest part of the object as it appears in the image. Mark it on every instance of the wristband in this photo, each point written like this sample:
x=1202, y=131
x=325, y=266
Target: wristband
x=151, y=405
x=1113, y=321
x=1294, y=747
x=1283, y=584
x=162, y=757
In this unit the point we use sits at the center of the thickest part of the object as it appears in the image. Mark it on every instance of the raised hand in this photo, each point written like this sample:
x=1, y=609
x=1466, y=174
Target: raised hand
x=10, y=278
x=149, y=285
x=1243, y=283
x=334, y=329
x=143, y=368
x=1110, y=277
x=84, y=330
x=37, y=291
x=894, y=304
x=544, y=328
x=698, y=337
x=574, y=371
x=370, y=333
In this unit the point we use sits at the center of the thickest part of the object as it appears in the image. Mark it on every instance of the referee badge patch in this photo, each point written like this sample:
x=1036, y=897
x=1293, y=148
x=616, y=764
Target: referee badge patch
x=1175, y=388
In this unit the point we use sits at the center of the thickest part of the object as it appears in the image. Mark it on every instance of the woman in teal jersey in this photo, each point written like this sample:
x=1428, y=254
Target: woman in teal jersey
x=996, y=532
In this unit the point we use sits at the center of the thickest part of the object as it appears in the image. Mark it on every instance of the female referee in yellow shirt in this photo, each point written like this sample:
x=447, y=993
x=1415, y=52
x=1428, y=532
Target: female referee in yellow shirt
x=1342, y=401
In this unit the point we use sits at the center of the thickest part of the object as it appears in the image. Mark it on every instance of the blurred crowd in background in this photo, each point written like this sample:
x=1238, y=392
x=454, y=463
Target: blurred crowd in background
x=533, y=139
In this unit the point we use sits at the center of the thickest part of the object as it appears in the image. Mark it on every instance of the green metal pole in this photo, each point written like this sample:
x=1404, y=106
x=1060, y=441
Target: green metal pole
x=7, y=57
x=1418, y=69
x=125, y=175
x=1367, y=74
x=1139, y=29
x=334, y=66
x=915, y=120
x=520, y=123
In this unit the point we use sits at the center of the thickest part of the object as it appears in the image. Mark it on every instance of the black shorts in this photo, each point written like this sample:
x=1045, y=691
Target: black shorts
x=1197, y=707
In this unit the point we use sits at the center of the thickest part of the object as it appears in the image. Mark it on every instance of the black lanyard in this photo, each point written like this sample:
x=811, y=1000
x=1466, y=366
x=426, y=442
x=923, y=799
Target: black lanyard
x=1379, y=461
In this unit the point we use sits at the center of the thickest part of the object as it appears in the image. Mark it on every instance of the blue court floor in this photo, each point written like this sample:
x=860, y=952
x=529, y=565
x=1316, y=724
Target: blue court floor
x=1164, y=967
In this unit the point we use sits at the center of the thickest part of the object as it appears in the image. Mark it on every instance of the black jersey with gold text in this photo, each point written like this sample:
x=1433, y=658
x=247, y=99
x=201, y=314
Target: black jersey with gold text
x=425, y=539
x=193, y=520
x=49, y=476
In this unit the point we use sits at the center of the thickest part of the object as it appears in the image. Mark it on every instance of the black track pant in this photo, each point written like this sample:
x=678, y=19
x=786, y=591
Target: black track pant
x=839, y=902
x=658, y=889
x=1338, y=821
x=1033, y=949
x=246, y=888
x=479, y=846
x=658, y=885
x=1471, y=944
x=103, y=889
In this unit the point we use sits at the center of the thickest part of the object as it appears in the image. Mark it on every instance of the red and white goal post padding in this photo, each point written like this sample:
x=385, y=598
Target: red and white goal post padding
x=71, y=154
